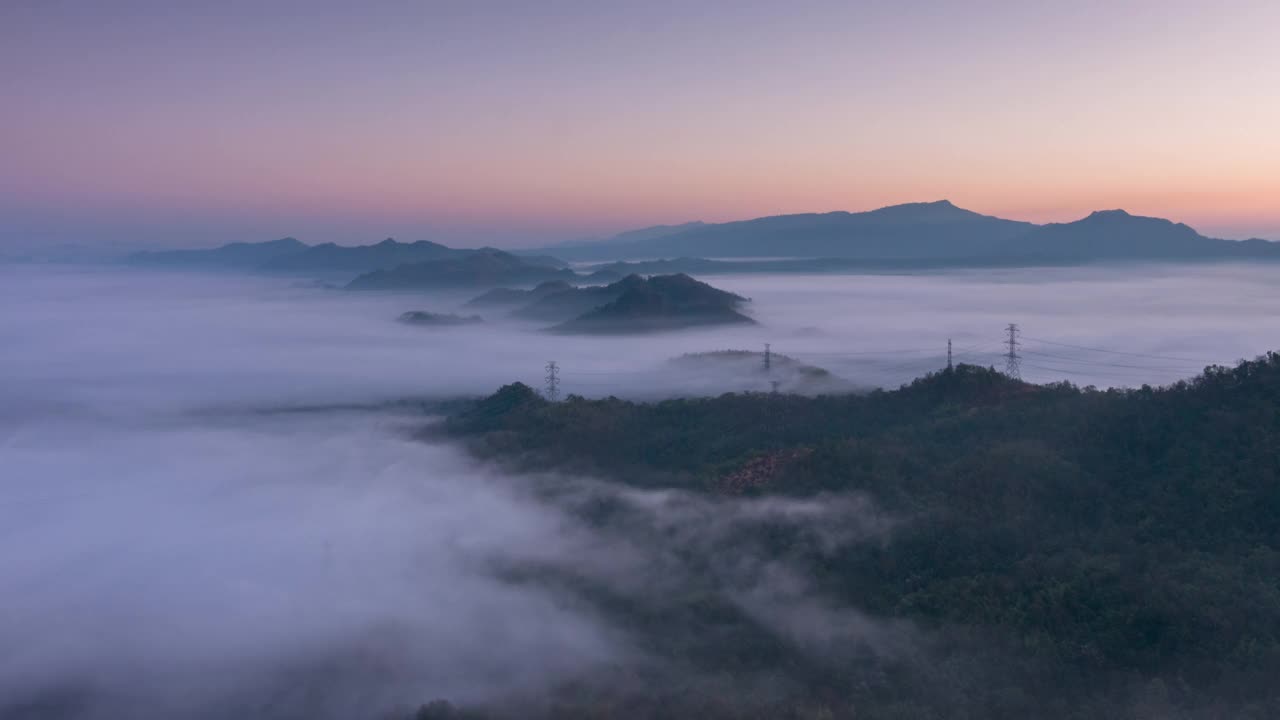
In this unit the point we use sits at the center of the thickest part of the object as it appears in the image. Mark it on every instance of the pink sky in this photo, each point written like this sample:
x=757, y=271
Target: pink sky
x=492, y=122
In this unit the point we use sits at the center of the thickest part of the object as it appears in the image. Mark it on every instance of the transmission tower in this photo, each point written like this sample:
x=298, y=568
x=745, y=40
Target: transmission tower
x=1012, y=363
x=553, y=381
x=768, y=357
x=948, y=353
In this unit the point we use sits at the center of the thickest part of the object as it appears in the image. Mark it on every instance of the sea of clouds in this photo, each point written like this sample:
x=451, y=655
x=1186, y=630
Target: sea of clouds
x=205, y=509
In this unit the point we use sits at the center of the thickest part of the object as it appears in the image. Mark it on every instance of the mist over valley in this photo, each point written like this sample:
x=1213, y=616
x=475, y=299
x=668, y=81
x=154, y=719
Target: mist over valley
x=220, y=483
x=640, y=361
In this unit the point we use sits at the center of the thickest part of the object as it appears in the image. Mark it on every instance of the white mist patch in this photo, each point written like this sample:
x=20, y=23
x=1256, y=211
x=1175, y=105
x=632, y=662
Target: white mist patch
x=112, y=340
x=1102, y=325
x=169, y=550
x=191, y=564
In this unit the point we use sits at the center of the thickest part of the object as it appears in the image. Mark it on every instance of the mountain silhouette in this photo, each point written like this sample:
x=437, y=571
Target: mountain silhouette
x=484, y=268
x=1117, y=235
x=912, y=231
x=289, y=256
x=237, y=255
x=572, y=302
x=331, y=257
x=662, y=302
x=930, y=234
x=515, y=296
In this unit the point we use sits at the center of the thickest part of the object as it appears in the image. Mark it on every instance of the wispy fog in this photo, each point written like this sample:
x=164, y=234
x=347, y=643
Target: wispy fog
x=171, y=540
x=323, y=564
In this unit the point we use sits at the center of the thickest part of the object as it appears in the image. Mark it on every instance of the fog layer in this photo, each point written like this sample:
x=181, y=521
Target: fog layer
x=196, y=516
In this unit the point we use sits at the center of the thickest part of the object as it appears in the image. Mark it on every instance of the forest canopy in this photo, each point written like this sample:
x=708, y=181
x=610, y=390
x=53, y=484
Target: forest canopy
x=1079, y=552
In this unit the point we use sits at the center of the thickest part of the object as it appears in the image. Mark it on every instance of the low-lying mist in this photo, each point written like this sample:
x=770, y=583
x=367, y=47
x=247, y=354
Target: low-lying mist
x=205, y=512
x=312, y=564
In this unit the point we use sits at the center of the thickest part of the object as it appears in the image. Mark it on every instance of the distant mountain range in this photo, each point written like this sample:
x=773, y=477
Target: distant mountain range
x=912, y=236
x=290, y=256
x=935, y=233
x=237, y=256
x=630, y=236
x=1117, y=235
x=465, y=269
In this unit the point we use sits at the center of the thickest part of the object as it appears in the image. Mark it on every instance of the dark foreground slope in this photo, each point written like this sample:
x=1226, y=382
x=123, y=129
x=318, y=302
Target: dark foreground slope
x=1057, y=552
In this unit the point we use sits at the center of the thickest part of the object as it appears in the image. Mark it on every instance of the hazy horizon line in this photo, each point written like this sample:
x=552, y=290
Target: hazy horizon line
x=587, y=239
x=521, y=239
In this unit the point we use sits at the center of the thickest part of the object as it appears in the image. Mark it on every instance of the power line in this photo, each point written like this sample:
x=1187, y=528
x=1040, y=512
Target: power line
x=1012, y=365
x=1092, y=375
x=1113, y=352
x=1086, y=361
x=576, y=373
x=867, y=352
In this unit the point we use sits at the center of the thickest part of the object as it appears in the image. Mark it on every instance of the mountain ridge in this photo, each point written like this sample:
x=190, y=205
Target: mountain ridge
x=928, y=231
x=291, y=256
x=922, y=235
x=483, y=268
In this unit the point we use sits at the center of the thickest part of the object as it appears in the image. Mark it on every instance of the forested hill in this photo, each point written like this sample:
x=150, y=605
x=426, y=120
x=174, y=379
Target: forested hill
x=1103, y=540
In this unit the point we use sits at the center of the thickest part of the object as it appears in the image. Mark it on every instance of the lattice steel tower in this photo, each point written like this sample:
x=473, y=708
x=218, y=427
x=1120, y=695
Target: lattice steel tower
x=1012, y=363
x=553, y=381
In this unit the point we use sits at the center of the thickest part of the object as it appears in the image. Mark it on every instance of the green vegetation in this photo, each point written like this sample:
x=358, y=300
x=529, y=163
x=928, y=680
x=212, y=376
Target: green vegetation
x=1063, y=552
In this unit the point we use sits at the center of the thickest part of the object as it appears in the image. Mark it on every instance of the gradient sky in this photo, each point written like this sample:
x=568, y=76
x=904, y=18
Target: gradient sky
x=515, y=123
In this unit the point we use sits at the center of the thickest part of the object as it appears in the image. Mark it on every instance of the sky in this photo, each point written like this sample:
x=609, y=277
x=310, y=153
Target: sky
x=518, y=124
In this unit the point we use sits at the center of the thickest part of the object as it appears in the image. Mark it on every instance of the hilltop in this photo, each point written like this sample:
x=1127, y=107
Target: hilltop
x=430, y=319
x=789, y=374
x=661, y=302
x=570, y=303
